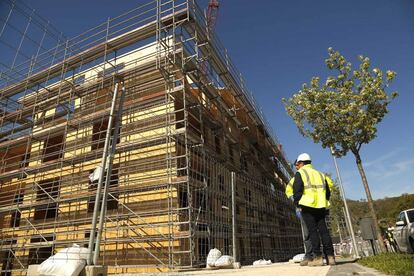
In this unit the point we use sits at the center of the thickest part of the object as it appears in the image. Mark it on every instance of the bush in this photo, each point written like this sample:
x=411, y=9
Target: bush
x=391, y=263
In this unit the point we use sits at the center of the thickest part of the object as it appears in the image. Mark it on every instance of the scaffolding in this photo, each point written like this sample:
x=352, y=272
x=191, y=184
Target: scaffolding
x=125, y=139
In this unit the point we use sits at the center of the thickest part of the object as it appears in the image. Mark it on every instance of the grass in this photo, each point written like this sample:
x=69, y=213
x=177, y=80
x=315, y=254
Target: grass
x=390, y=263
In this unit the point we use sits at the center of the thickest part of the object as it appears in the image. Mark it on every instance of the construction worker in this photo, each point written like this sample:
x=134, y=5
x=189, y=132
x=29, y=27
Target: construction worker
x=311, y=193
x=305, y=233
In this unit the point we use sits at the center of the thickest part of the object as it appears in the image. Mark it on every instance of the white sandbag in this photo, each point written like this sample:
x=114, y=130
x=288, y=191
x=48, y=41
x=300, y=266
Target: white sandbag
x=212, y=257
x=298, y=258
x=67, y=262
x=262, y=262
x=224, y=261
x=95, y=174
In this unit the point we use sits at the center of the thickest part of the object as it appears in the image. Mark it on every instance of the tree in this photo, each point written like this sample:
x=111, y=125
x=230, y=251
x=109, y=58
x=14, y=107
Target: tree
x=342, y=114
x=336, y=209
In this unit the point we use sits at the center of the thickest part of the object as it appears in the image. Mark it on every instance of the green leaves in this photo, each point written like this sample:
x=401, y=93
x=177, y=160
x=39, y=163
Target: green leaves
x=390, y=75
x=343, y=112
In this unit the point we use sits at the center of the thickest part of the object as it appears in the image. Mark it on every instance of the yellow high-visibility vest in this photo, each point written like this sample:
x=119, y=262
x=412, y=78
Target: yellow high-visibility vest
x=314, y=192
x=330, y=185
x=289, y=188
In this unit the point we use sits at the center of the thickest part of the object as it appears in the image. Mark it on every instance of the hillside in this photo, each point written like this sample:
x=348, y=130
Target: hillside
x=387, y=208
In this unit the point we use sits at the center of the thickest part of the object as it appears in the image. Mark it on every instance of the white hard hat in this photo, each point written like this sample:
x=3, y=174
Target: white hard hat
x=303, y=157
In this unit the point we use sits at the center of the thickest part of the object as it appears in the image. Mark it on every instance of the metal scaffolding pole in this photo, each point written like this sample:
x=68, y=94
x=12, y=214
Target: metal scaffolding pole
x=101, y=177
x=108, y=174
x=348, y=216
x=233, y=210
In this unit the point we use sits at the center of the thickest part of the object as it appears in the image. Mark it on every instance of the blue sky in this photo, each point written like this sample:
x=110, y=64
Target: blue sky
x=278, y=45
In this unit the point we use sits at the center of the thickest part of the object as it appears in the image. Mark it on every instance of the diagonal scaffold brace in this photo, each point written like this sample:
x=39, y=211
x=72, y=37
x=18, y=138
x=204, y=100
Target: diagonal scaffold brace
x=105, y=174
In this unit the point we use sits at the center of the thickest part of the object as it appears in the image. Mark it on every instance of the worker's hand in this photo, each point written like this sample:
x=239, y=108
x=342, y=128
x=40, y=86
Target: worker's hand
x=298, y=213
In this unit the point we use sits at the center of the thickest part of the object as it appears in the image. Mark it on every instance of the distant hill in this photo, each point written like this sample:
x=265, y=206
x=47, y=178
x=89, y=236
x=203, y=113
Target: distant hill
x=387, y=208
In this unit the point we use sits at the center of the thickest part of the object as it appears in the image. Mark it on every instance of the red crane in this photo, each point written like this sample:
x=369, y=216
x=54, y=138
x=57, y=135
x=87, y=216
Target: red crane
x=212, y=14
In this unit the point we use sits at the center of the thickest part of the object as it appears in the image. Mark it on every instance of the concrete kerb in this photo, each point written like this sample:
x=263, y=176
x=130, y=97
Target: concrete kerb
x=287, y=268
x=89, y=270
x=351, y=268
x=370, y=270
x=262, y=270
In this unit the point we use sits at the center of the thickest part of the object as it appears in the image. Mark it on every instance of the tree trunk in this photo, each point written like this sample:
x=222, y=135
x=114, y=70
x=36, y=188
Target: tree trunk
x=369, y=199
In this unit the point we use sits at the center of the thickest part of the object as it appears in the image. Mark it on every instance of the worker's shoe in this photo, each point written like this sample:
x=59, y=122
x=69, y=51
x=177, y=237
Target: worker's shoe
x=317, y=261
x=305, y=262
x=331, y=260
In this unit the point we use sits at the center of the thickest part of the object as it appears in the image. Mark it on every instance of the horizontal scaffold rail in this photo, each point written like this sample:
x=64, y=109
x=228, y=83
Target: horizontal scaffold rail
x=93, y=53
